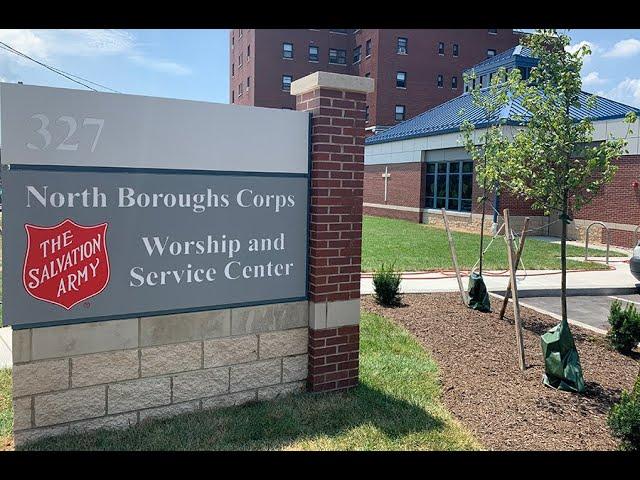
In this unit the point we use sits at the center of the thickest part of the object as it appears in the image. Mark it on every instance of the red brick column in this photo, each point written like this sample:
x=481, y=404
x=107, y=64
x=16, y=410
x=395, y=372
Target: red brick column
x=337, y=105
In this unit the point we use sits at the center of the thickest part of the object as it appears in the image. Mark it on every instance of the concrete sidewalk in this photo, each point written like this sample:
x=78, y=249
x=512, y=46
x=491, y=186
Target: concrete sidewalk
x=5, y=347
x=535, y=282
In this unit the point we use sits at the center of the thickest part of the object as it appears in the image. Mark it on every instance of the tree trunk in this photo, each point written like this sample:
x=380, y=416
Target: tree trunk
x=563, y=256
x=482, y=235
x=484, y=199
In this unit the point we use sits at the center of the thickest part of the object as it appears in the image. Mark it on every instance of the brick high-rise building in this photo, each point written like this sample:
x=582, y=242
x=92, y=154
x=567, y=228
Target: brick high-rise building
x=413, y=70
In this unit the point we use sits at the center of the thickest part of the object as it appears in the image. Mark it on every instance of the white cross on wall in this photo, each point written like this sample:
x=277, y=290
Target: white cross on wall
x=386, y=176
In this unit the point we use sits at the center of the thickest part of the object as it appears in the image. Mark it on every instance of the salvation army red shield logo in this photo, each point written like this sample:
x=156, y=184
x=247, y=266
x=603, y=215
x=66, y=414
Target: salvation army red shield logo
x=67, y=263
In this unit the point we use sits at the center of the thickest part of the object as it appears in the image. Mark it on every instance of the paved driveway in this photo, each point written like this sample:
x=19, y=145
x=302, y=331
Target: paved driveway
x=592, y=310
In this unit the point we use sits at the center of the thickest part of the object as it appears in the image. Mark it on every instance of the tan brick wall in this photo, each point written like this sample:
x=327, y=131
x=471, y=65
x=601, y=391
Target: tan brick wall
x=115, y=374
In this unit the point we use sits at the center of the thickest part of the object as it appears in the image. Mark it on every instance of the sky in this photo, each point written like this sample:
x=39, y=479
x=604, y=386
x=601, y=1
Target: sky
x=193, y=64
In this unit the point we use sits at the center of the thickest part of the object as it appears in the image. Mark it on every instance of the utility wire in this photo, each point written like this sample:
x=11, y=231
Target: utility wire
x=67, y=75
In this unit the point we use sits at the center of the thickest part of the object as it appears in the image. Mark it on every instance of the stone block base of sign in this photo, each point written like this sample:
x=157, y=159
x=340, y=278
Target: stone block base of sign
x=114, y=374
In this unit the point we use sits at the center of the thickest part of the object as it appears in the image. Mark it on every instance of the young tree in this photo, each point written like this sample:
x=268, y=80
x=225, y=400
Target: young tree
x=488, y=149
x=553, y=161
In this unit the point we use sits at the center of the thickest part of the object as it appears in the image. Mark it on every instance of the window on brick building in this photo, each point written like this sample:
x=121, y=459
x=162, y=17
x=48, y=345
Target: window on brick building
x=248, y=51
x=367, y=48
x=400, y=113
x=287, y=50
x=493, y=31
x=239, y=33
x=233, y=69
x=233, y=96
x=240, y=60
x=456, y=50
x=286, y=82
x=491, y=53
x=402, y=47
x=337, y=56
x=368, y=74
x=440, y=81
x=233, y=42
x=314, y=53
x=240, y=89
x=440, y=48
x=449, y=185
x=248, y=83
x=366, y=113
x=454, y=82
x=356, y=54
x=401, y=79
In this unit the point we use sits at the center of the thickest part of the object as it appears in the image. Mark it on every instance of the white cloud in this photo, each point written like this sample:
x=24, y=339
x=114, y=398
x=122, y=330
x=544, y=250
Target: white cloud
x=161, y=65
x=52, y=46
x=592, y=79
x=592, y=46
x=627, y=92
x=48, y=44
x=624, y=48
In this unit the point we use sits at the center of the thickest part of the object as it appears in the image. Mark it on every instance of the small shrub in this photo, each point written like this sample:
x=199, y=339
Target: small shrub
x=386, y=284
x=624, y=419
x=624, y=334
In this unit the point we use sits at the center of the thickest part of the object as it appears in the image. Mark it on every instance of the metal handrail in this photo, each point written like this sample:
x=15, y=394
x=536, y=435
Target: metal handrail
x=586, y=240
x=635, y=237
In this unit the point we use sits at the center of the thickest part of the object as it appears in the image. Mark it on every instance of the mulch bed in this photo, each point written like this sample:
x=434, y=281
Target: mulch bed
x=484, y=388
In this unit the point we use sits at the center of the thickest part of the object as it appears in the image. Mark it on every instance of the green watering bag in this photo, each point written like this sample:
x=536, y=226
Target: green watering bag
x=478, y=295
x=561, y=360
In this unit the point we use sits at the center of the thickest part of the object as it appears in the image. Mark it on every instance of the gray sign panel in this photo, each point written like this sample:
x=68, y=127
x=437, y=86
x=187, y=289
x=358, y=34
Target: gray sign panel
x=59, y=126
x=148, y=242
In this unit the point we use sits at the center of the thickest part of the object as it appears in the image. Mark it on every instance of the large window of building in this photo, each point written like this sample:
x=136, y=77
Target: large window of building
x=366, y=113
x=240, y=89
x=401, y=79
x=248, y=83
x=400, y=112
x=286, y=82
x=440, y=81
x=454, y=82
x=337, y=56
x=456, y=49
x=367, y=48
x=491, y=53
x=248, y=51
x=240, y=60
x=233, y=69
x=356, y=54
x=440, y=48
x=287, y=50
x=314, y=53
x=449, y=185
x=403, y=47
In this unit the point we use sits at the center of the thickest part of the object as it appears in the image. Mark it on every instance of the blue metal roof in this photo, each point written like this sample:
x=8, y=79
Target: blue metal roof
x=518, y=56
x=446, y=118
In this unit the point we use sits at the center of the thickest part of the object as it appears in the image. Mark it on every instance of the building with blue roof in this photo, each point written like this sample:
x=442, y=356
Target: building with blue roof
x=417, y=167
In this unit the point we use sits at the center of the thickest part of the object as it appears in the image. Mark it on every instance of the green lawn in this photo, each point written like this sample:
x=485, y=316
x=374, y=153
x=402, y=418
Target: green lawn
x=6, y=410
x=396, y=407
x=413, y=246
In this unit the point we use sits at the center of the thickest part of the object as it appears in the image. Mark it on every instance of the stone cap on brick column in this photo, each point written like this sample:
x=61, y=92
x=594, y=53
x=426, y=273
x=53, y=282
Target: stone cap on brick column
x=333, y=81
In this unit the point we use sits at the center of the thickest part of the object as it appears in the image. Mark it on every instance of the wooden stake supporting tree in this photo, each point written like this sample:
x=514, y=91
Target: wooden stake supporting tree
x=514, y=290
x=507, y=294
x=454, y=258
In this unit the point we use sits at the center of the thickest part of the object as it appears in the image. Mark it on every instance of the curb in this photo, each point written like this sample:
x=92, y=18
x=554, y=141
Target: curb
x=573, y=292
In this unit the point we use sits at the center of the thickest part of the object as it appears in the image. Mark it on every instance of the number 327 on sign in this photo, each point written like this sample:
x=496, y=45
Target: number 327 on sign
x=45, y=138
